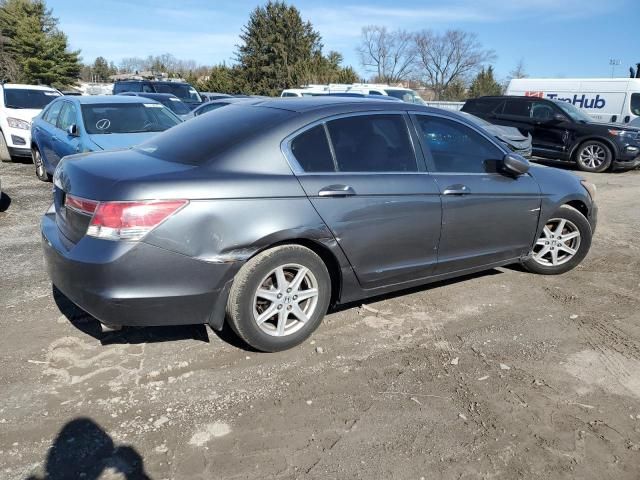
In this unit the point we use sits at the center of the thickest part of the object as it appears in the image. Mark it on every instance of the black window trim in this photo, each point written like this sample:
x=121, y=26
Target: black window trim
x=296, y=168
x=427, y=153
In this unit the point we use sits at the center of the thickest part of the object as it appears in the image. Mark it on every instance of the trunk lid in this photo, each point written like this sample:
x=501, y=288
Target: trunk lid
x=101, y=176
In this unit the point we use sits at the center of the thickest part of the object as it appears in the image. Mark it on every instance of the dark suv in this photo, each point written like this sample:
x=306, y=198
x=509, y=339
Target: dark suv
x=563, y=132
x=183, y=90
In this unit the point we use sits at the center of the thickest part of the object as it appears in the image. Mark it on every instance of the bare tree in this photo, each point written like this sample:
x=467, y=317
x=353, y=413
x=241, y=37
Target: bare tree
x=519, y=71
x=389, y=54
x=449, y=57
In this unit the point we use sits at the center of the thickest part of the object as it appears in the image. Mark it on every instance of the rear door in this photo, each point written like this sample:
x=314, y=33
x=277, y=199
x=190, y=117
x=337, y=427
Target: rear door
x=362, y=175
x=487, y=217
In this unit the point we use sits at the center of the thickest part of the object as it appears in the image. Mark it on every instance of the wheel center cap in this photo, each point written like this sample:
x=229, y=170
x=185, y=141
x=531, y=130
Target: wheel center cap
x=287, y=299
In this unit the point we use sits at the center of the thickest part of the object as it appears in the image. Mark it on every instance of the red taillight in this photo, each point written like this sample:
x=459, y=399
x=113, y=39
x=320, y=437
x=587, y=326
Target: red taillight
x=81, y=205
x=130, y=220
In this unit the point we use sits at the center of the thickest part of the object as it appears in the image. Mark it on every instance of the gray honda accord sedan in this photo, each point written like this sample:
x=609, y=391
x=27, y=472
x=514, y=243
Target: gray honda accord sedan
x=265, y=213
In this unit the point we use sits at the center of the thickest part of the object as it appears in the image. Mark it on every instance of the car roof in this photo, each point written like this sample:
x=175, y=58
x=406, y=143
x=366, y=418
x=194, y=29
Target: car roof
x=148, y=95
x=133, y=80
x=310, y=103
x=10, y=86
x=103, y=99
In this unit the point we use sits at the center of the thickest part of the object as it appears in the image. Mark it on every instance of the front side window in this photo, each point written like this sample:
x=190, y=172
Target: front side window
x=372, y=143
x=127, y=118
x=542, y=111
x=67, y=116
x=635, y=103
x=23, y=98
x=312, y=151
x=456, y=148
x=51, y=116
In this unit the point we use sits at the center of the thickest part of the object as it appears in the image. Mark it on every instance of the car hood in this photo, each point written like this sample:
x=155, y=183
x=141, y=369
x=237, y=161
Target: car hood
x=118, y=141
x=617, y=126
x=25, y=114
x=506, y=133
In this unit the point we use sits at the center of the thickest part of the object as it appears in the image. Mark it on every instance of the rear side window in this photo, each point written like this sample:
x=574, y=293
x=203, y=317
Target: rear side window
x=518, y=108
x=372, y=143
x=456, y=148
x=312, y=151
x=127, y=87
x=480, y=105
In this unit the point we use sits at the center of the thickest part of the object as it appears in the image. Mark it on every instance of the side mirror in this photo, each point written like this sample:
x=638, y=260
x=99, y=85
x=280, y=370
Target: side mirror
x=72, y=130
x=558, y=118
x=515, y=164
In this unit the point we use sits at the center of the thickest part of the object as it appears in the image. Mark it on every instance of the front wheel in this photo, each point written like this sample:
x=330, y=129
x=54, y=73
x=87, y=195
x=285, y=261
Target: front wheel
x=41, y=171
x=594, y=157
x=5, y=156
x=563, y=244
x=279, y=297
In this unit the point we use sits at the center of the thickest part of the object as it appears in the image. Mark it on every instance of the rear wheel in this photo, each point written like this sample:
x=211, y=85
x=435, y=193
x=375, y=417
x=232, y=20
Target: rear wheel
x=41, y=171
x=279, y=297
x=5, y=156
x=594, y=156
x=563, y=244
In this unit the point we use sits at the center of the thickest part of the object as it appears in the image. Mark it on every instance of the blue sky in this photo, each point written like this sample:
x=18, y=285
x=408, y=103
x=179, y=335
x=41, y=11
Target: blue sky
x=554, y=38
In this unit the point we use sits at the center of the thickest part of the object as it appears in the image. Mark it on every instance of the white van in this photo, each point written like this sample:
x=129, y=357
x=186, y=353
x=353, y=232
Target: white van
x=603, y=99
x=401, y=93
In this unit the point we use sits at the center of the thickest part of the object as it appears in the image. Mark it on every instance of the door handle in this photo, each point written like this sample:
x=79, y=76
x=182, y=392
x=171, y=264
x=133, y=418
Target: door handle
x=337, y=191
x=457, y=189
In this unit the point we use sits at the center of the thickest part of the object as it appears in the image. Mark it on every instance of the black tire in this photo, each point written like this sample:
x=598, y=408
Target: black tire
x=583, y=226
x=41, y=172
x=241, y=302
x=5, y=156
x=593, y=145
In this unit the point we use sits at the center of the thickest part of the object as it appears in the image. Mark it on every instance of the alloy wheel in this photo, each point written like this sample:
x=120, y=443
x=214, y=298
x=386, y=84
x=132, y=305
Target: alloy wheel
x=37, y=159
x=593, y=156
x=559, y=243
x=285, y=300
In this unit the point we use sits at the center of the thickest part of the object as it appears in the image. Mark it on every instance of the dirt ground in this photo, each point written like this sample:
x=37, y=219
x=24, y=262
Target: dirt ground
x=501, y=375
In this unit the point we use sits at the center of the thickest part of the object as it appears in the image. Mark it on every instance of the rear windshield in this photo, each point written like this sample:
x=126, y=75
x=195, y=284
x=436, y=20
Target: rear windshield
x=24, y=98
x=176, y=105
x=127, y=118
x=183, y=91
x=199, y=139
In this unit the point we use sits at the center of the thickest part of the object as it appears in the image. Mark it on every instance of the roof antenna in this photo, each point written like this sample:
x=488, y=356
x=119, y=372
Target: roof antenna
x=632, y=73
x=637, y=70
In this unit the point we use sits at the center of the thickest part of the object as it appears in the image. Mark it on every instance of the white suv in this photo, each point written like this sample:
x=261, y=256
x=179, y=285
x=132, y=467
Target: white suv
x=18, y=105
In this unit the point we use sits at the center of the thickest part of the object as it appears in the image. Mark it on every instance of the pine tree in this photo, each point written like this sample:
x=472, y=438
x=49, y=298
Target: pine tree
x=485, y=84
x=36, y=45
x=101, y=69
x=279, y=50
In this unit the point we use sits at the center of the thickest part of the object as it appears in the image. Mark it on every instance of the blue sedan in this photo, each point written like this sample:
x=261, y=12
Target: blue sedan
x=85, y=124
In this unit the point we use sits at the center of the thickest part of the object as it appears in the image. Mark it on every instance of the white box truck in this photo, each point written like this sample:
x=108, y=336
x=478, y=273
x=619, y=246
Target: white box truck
x=603, y=99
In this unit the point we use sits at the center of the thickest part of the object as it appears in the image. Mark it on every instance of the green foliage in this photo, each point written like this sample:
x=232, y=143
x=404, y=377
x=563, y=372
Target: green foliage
x=279, y=50
x=485, y=84
x=456, y=91
x=35, y=44
x=223, y=79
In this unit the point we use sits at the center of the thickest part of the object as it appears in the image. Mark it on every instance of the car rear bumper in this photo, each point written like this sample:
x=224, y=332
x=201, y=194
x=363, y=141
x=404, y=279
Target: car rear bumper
x=134, y=283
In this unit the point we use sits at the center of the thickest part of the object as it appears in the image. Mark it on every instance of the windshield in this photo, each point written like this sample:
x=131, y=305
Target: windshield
x=24, y=98
x=183, y=91
x=127, y=118
x=176, y=105
x=408, y=96
x=574, y=112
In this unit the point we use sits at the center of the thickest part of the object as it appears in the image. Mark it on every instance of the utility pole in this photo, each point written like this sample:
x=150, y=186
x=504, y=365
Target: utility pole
x=614, y=62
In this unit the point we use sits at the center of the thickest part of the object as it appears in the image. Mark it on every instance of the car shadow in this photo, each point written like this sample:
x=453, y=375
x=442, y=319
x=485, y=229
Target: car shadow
x=409, y=291
x=555, y=163
x=5, y=202
x=83, y=449
x=87, y=324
